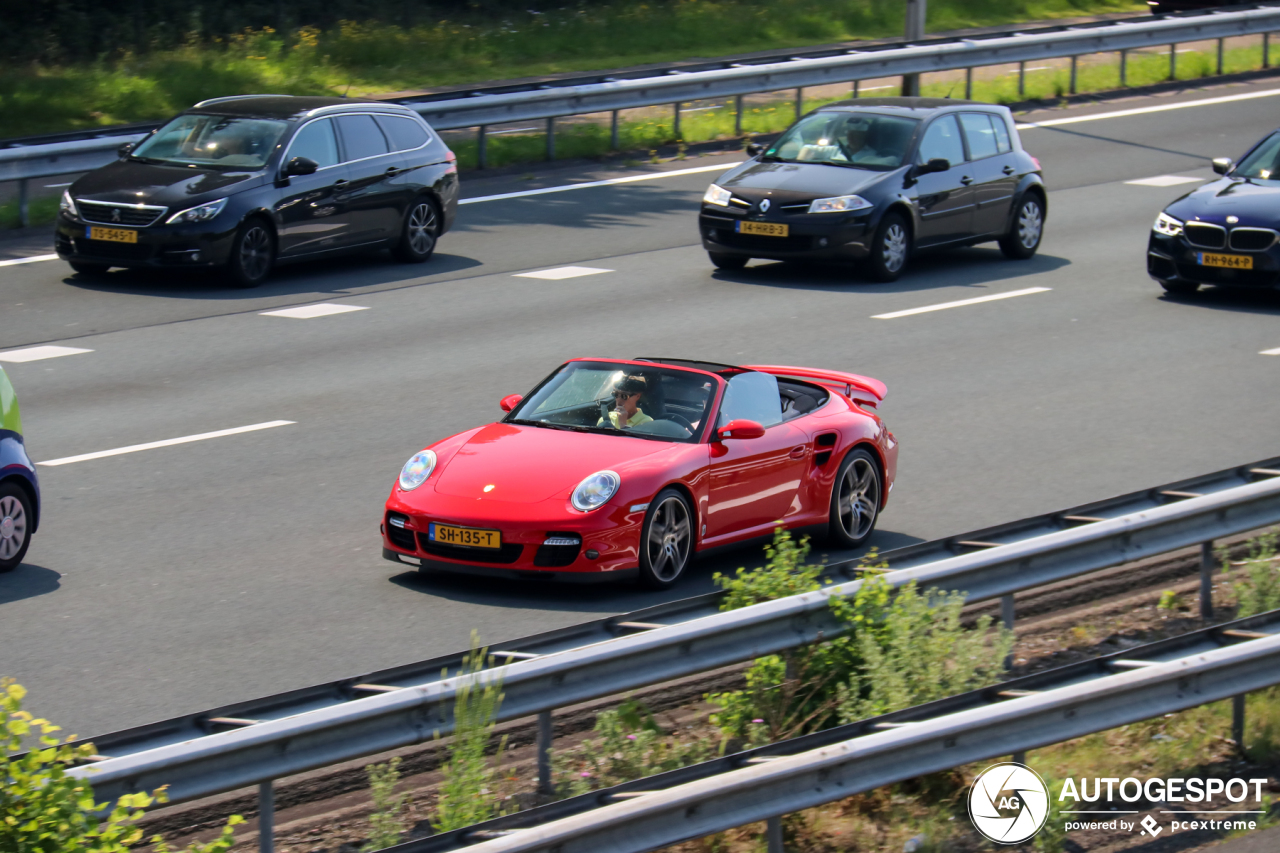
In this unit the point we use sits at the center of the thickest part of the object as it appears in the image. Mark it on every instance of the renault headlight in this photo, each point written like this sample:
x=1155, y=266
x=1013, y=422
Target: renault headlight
x=717, y=195
x=1167, y=225
x=417, y=470
x=68, y=205
x=595, y=491
x=200, y=213
x=839, y=204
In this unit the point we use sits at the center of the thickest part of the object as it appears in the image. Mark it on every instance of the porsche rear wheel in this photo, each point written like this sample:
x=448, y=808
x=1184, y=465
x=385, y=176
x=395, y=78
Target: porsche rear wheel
x=666, y=540
x=855, y=500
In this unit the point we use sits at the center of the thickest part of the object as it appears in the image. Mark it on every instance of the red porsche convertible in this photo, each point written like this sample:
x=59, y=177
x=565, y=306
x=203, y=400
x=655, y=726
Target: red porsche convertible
x=613, y=468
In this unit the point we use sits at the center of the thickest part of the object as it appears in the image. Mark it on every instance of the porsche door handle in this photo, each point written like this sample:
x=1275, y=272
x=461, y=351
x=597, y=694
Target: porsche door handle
x=799, y=452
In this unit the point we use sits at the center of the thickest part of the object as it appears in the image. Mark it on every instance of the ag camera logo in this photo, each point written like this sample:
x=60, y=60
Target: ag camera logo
x=1008, y=803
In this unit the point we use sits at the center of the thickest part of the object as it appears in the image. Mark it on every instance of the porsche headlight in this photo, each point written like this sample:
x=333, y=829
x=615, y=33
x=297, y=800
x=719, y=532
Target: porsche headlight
x=200, y=213
x=595, y=491
x=68, y=205
x=1167, y=225
x=417, y=470
x=839, y=204
x=717, y=195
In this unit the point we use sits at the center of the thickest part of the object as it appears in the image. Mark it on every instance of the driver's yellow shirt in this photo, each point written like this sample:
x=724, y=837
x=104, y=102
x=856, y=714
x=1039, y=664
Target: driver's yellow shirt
x=635, y=420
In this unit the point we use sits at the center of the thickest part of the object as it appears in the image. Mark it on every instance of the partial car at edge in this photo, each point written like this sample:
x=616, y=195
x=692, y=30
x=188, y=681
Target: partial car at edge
x=19, y=488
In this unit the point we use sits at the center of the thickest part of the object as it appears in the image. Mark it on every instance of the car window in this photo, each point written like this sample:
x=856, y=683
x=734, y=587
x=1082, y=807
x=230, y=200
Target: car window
x=403, y=133
x=752, y=396
x=211, y=140
x=316, y=142
x=1262, y=162
x=942, y=139
x=1003, y=145
x=361, y=137
x=864, y=140
x=980, y=135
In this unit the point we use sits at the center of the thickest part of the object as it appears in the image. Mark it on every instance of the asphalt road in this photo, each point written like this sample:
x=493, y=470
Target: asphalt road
x=174, y=579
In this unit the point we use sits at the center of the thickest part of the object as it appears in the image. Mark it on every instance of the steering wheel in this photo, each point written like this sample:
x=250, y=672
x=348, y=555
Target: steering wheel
x=680, y=419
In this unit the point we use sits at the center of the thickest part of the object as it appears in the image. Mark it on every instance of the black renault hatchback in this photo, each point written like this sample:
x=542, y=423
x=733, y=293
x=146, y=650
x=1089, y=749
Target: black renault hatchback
x=875, y=179
x=245, y=183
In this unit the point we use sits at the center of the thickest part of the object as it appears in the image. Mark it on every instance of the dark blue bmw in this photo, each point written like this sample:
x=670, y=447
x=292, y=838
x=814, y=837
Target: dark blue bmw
x=1225, y=232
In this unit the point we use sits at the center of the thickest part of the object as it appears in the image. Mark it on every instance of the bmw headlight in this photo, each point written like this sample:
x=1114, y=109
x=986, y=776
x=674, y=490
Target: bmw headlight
x=839, y=204
x=68, y=205
x=595, y=491
x=417, y=470
x=717, y=196
x=200, y=213
x=1167, y=225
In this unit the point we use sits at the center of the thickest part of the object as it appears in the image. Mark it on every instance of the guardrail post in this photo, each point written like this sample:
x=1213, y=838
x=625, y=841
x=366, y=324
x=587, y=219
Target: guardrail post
x=799, y=102
x=857, y=84
x=1237, y=721
x=773, y=834
x=968, y=84
x=1007, y=616
x=1266, y=50
x=546, y=733
x=1220, y=42
x=482, y=147
x=737, y=115
x=614, y=144
x=551, y=138
x=1022, y=79
x=266, y=817
x=1071, y=89
x=1019, y=757
x=1206, y=580
x=916, y=12
x=1124, y=68
x=1173, y=62
x=676, y=123
x=24, y=218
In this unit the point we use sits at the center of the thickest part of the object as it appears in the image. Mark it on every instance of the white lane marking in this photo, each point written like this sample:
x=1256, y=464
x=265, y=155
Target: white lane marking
x=1203, y=102
x=168, y=442
x=1270, y=352
x=561, y=272
x=307, y=312
x=1164, y=181
x=629, y=179
x=19, y=356
x=31, y=260
x=56, y=186
x=926, y=309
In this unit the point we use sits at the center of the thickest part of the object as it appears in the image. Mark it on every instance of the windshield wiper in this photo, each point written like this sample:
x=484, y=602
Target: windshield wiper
x=547, y=424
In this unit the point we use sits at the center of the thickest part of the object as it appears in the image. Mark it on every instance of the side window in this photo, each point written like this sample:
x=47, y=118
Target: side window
x=753, y=396
x=361, y=137
x=942, y=139
x=316, y=142
x=1003, y=145
x=980, y=135
x=403, y=133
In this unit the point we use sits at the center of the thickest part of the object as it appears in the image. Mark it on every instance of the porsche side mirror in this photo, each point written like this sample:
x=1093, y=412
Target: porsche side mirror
x=301, y=166
x=1222, y=165
x=124, y=150
x=754, y=149
x=510, y=401
x=740, y=428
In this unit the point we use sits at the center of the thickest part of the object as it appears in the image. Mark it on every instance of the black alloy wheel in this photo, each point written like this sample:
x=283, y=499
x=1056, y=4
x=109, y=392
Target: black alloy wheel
x=15, y=525
x=419, y=232
x=1028, y=227
x=666, y=540
x=89, y=270
x=890, y=247
x=252, y=254
x=722, y=261
x=855, y=500
x=1180, y=288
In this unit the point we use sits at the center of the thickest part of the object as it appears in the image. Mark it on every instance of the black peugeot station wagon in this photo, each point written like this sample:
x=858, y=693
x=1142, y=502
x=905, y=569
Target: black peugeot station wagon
x=873, y=180
x=244, y=183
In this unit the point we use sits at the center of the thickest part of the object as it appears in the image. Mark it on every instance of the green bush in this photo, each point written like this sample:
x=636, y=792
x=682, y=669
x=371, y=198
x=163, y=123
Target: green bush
x=1260, y=591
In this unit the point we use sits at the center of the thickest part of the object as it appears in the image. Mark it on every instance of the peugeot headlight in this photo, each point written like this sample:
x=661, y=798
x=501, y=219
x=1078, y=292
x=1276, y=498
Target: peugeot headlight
x=1167, y=225
x=595, y=491
x=68, y=205
x=200, y=213
x=839, y=204
x=717, y=196
x=417, y=470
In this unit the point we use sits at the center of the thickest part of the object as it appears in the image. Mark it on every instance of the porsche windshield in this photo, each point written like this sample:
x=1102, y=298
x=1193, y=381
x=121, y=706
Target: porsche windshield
x=223, y=142
x=863, y=140
x=619, y=399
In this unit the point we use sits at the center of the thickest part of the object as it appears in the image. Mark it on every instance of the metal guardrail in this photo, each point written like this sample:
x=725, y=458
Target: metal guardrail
x=558, y=99
x=259, y=752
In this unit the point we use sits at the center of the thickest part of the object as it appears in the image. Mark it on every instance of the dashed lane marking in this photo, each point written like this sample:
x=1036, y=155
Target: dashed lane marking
x=1270, y=351
x=31, y=260
x=1164, y=181
x=561, y=272
x=586, y=185
x=308, y=312
x=19, y=356
x=943, y=306
x=168, y=442
x=1203, y=102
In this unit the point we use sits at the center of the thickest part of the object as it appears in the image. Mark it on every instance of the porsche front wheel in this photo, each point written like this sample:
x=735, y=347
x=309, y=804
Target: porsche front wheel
x=666, y=540
x=855, y=500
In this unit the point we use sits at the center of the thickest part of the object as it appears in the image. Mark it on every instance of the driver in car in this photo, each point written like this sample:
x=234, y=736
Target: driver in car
x=626, y=410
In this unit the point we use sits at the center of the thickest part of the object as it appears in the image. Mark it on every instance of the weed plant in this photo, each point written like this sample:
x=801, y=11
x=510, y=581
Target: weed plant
x=1260, y=591
x=386, y=821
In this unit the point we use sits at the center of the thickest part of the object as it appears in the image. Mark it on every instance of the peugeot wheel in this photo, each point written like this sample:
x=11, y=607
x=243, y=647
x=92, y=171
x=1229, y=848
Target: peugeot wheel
x=1028, y=227
x=666, y=540
x=855, y=500
x=890, y=247
x=15, y=526
x=721, y=261
x=252, y=254
x=419, y=232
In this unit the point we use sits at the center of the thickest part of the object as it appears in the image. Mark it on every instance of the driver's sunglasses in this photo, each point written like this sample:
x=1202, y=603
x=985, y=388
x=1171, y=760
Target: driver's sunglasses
x=622, y=395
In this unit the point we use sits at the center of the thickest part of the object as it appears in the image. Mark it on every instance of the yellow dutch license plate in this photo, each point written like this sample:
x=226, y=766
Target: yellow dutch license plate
x=112, y=235
x=1231, y=262
x=766, y=229
x=468, y=537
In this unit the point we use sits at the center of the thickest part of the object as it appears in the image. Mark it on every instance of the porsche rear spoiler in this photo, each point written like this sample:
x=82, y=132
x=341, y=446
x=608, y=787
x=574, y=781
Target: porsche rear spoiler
x=861, y=389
